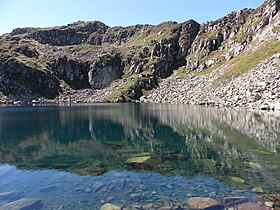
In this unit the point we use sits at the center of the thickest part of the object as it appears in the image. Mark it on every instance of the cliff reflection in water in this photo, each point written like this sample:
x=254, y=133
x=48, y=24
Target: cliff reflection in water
x=176, y=139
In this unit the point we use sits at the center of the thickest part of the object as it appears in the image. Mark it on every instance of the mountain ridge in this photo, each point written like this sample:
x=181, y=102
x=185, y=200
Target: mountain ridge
x=92, y=62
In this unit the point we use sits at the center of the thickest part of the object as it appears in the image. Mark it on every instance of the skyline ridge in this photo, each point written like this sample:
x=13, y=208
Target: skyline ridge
x=34, y=15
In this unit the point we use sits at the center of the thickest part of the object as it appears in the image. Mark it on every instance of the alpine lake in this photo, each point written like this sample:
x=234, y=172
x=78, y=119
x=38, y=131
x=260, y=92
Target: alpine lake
x=135, y=156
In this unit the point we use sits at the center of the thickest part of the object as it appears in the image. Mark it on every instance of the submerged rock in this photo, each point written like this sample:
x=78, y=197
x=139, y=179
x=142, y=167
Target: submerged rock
x=258, y=190
x=108, y=206
x=198, y=203
x=138, y=160
x=92, y=167
x=49, y=188
x=238, y=180
x=98, y=186
x=23, y=204
x=269, y=204
x=273, y=199
x=11, y=195
x=166, y=208
x=252, y=206
x=253, y=165
x=232, y=201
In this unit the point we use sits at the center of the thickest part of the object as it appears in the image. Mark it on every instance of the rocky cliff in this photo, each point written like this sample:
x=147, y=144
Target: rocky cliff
x=213, y=63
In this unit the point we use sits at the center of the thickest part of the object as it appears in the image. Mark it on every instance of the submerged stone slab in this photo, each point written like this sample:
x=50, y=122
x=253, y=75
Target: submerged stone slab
x=238, y=180
x=138, y=160
x=258, y=190
x=166, y=208
x=49, y=188
x=252, y=206
x=11, y=195
x=200, y=203
x=108, y=206
x=232, y=201
x=23, y=204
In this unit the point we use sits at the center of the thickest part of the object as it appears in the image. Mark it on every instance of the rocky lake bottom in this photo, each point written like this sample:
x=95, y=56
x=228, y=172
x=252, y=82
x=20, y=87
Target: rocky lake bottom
x=60, y=190
x=138, y=156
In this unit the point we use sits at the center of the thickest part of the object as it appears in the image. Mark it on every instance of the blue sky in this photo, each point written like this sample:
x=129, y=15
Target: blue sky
x=44, y=13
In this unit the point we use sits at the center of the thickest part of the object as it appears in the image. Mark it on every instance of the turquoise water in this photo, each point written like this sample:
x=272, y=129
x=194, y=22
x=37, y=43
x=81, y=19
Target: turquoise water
x=80, y=157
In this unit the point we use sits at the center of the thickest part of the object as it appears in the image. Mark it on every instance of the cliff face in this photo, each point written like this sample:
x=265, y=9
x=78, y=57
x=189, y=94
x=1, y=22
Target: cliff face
x=125, y=63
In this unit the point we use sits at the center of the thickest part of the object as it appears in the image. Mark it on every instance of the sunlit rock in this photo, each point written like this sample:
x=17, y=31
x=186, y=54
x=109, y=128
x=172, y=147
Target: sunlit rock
x=138, y=160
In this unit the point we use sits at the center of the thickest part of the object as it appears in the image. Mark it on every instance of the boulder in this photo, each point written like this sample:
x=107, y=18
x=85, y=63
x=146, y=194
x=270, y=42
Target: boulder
x=257, y=190
x=273, y=199
x=200, y=203
x=108, y=206
x=138, y=160
x=11, y=195
x=238, y=180
x=23, y=204
x=49, y=188
x=252, y=206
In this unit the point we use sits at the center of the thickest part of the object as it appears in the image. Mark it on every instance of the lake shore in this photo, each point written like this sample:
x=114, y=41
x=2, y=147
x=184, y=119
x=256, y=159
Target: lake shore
x=246, y=92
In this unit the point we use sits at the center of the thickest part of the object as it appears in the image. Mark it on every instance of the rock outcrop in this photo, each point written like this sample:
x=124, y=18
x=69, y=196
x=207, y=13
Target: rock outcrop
x=126, y=63
x=17, y=77
x=73, y=72
x=104, y=71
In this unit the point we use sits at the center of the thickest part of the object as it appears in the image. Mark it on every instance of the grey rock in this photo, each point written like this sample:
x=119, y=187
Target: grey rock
x=24, y=203
x=49, y=188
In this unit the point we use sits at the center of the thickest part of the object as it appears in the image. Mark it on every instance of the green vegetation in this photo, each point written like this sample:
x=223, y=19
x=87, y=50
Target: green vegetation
x=162, y=31
x=215, y=55
x=121, y=92
x=182, y=72
x=148, y=38
x=246, y=61
x=276, y=29
x=208, y=35
x=240, y=64
x=248, y=29
x=240, y=36
x=211, y=34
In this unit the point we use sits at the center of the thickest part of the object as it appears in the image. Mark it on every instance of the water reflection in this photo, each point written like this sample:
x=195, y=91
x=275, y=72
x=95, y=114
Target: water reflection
x=189, y=144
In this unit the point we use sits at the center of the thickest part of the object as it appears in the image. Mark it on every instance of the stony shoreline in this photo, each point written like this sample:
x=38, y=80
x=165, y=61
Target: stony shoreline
x=258, y=89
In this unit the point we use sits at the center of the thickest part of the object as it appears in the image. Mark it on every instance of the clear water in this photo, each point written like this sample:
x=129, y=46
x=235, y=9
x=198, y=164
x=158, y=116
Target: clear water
x=80, y=157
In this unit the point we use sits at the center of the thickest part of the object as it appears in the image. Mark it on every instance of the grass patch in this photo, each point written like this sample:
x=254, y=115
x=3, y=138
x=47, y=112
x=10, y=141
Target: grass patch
x=276, y=29
x=246, y=61
x=238, y=65
x=239, y=37
x=121, y=91
x=208, y=35
x=182, y=72
x=209, y=70
x=156, y=33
